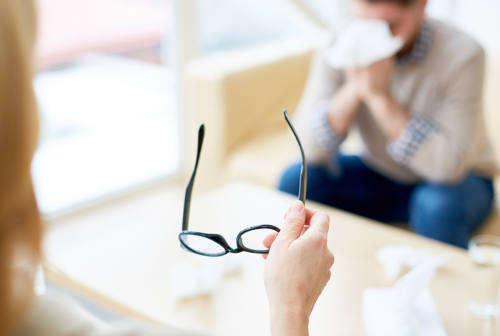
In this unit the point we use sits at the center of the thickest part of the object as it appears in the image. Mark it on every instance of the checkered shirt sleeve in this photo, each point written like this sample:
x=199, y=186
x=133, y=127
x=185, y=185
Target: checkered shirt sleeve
x=414, y=134
x=323, y=133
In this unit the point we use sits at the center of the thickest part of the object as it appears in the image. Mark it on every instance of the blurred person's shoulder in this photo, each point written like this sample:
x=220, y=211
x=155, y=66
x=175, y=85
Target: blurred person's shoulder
x=453, y=47
x=58, y=315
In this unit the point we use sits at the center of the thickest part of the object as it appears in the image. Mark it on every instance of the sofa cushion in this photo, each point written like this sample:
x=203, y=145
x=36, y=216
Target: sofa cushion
x=264, y=159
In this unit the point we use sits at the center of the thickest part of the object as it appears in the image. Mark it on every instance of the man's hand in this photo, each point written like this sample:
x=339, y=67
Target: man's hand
x=362, y=84
x=374, y=80
x=297, y=269
x=373, y=85
x=343, y=108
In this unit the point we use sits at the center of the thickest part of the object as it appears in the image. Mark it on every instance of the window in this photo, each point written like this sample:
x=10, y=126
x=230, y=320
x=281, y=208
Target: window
x=230, y=24
x=105, y=95
x=108, y=87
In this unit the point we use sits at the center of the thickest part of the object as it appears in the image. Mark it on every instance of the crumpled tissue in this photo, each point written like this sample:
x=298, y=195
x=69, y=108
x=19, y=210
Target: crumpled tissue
x=188, y=280
x=397, y=258
x=407, y=308
x=362, y=43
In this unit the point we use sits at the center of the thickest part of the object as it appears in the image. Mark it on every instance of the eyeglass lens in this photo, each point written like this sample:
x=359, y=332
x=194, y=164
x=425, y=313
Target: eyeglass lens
x=254, y=240
x=202, y=245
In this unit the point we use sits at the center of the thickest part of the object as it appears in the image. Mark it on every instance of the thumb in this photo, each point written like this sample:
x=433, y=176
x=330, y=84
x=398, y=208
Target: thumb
x=294, y=222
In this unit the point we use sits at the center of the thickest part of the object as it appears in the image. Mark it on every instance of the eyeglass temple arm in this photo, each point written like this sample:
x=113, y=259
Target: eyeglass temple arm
x=189, y=188
x=303, y=169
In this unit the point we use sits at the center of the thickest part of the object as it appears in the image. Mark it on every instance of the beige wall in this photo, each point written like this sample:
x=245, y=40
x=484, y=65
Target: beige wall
x=481, y=18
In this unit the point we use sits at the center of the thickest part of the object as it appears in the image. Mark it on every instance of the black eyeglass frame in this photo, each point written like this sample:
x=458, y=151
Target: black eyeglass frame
x=217, y=238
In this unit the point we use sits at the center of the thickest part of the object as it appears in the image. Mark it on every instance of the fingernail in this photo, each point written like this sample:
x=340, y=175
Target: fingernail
x=298, y=207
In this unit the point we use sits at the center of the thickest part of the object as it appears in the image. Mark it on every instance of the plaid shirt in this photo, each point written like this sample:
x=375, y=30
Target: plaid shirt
x=415, y=132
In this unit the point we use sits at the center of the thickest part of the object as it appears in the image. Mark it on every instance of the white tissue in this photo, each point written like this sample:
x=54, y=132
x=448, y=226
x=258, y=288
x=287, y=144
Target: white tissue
x=188, y=280
x=382, y=319
x=397, y=258
x=362, y=43
x=406, y=309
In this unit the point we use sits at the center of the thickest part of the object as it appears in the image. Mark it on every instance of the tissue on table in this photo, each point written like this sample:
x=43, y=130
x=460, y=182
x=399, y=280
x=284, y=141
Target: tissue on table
x=383, y=319
x=405, y=309
x=187, y=280
x=396, y=258
x=362, y=43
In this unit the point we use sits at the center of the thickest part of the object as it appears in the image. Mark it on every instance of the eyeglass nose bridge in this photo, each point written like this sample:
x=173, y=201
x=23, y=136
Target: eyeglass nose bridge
x=222, y=242
x=236, y=250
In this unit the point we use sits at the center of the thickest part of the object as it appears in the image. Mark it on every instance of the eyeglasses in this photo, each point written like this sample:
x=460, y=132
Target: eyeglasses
x=249, y=239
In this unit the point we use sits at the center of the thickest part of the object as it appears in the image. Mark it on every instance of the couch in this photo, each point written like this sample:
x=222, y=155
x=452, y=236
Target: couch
x=241, y=94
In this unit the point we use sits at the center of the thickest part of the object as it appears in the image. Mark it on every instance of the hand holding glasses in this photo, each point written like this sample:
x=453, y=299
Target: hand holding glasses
x=249, y=239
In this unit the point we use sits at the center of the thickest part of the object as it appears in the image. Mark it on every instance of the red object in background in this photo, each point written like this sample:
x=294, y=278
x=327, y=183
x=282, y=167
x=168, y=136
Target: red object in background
x=69, y=28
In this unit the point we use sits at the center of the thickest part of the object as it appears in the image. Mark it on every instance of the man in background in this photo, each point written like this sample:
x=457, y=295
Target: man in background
x=425, y=158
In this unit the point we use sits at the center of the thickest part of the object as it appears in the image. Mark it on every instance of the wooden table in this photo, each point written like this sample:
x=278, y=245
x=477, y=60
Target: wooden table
x=120, y=256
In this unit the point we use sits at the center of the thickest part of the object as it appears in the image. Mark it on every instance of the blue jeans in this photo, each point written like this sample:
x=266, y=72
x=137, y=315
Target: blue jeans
x=446, y=212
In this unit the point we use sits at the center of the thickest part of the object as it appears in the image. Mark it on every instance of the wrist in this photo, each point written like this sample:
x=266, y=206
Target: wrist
x=289, y=322
x=342, y=109
x=377, y=100
x=351, y=90
x=389, y=114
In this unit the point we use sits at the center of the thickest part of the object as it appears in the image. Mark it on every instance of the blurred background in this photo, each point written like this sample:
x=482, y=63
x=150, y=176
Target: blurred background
x=122, y=87
x=123, y=84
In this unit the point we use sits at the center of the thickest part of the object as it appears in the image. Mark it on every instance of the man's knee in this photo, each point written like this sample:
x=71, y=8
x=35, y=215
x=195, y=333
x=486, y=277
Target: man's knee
x=439, y=212
x=436, y=201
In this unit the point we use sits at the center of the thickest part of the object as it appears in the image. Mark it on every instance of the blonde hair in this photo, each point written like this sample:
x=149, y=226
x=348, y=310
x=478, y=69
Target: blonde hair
x=20, y=225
